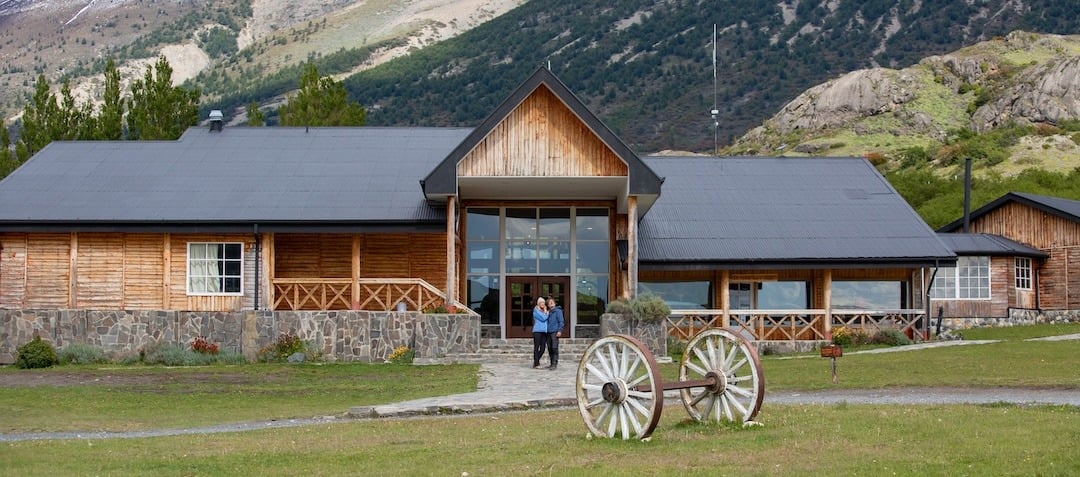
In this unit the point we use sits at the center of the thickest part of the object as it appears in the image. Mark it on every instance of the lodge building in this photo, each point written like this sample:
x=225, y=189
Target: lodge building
x=318, y=229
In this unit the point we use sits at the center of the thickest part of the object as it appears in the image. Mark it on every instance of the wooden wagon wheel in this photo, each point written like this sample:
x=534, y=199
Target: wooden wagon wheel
x=619, y=392
x=732, y=363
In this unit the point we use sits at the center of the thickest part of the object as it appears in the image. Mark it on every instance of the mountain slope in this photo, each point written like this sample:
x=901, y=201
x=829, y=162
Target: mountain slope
x=1026, y=85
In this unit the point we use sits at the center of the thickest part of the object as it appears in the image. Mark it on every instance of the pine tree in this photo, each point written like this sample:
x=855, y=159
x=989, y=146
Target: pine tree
x=110, y=120
x=38, y=121
x=321, y=101
x=157, y=109
x=256, y=117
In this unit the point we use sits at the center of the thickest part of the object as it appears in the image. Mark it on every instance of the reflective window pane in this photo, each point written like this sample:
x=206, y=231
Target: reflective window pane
x=592, y=224
x=554, y=257
x=554, y=224
x=688, y=295
x=483, y=224
x=867, y=295
x=521, y=224
x=483, y=296
x=592, y=257
x=483, y=257
x=785, y=295
x=592, y=298
x=520, y=256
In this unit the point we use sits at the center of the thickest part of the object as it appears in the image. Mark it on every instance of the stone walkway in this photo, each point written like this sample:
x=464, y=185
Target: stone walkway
x=513, y=386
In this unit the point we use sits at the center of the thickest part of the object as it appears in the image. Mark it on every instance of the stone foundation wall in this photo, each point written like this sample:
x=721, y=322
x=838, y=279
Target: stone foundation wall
x=652, y=335
x=1017, y=317
x=340, y=335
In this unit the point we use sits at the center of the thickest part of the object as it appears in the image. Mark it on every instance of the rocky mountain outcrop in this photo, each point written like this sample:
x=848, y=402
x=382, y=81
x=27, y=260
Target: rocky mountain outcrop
x=1023, y=78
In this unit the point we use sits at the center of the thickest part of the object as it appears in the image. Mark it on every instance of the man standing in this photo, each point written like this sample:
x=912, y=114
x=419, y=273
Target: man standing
x=554, y=331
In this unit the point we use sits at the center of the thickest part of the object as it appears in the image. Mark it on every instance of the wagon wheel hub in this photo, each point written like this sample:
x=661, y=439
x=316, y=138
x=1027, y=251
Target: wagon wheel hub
x=719, y=380
x=614, y=392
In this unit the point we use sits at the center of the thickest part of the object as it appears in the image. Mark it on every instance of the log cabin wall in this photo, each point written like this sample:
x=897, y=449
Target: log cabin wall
x=110, y=271
x=541, y=137
x=313, y=255
x=1058, y=278
x=420, y=255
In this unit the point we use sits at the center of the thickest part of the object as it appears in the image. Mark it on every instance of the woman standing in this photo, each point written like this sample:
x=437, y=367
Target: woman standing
x=540, y=336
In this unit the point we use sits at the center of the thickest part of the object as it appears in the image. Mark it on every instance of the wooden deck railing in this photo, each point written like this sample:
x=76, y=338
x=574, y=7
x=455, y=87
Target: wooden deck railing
x=376, y=294
x=790, y=325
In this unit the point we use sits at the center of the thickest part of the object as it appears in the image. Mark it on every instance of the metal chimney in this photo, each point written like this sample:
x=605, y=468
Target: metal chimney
x=216, y=120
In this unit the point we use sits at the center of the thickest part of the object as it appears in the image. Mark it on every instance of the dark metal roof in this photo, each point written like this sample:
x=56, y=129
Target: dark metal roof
x=988, y=244
x=756, y=212
x=442, y=180
x=274, y=177
x=1064, y=208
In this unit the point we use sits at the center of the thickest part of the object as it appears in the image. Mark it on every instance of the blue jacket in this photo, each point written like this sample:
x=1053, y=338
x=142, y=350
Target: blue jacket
x=555, y=320
x=539, y=321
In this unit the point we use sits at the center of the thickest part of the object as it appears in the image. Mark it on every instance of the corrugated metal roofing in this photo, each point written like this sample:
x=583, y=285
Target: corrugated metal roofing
x=760, y=211
x=246, y=175
x=988, y=244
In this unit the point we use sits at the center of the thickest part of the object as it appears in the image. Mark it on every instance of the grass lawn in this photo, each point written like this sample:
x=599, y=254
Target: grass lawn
x=838, y=439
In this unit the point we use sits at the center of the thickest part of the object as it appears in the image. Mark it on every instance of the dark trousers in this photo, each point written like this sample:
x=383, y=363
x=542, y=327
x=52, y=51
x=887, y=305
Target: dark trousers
x=553, y=348
x=540, y=341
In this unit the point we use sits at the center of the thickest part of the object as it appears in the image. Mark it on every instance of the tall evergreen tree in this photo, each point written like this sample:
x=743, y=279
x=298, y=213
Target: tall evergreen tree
x=38, y=121
x=110, y=120
x=7, y=156
x=321, y=101
x=159, y=110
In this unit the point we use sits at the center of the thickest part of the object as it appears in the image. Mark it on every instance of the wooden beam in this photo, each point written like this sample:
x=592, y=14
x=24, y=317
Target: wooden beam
x=166, y=265
x=451, y=251
x=355, y=272
x=631, y=238
x=73, y=271
x=725, y=296
x=827, y=301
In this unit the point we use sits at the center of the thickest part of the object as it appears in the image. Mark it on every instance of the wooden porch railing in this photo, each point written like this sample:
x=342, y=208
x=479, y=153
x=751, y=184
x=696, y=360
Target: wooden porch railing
x=376, y=294
x=312, y=294
x=790, y=325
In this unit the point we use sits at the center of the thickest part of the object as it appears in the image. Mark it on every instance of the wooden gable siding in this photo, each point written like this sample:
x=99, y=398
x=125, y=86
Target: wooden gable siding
x=1028, y=225
x=404, y=256
x=144, y=271
x=542, y=137
x=313, y=255
x=99, y=277
x=1058, y=278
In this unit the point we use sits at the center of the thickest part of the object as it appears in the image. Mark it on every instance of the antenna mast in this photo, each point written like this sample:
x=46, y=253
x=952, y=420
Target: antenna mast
x=715, y=112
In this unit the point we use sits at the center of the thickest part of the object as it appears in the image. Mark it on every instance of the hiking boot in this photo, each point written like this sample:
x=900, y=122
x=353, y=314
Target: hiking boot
x=553, y=367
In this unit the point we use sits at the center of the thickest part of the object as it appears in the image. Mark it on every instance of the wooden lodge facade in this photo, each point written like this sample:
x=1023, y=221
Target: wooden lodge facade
x=1022, y=252
x=539, y=199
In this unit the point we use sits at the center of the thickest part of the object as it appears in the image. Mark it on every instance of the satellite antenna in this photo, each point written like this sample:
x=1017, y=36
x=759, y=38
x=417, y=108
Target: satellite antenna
x=715, y=112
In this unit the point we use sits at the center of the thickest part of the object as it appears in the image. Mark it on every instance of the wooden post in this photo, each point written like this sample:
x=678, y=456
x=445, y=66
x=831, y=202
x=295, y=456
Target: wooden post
x=355, y=272
x=73, y=271
x=725, y=296
x=827, y=301
x=631, y=239
x=268, y=258
x=166, y=267
x=451, y=253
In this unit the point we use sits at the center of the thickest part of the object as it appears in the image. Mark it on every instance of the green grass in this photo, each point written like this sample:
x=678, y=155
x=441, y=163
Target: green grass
x=1020, y=332
x=795, y=440
x=140, y=397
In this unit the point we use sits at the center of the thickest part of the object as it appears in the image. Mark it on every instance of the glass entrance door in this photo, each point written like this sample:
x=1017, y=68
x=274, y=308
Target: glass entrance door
x=521, y=294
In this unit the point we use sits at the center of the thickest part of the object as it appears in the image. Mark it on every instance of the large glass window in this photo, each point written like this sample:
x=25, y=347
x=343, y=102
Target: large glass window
x=482, y=252
x=592, y=259
x=1023, y=273
x=783, y=295
x=215, y=268
x=968, y=280
x=681, y=295
x=868, y=295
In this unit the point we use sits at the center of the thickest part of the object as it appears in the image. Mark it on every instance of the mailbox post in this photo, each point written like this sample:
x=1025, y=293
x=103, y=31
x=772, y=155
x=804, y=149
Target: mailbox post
x=832, y=351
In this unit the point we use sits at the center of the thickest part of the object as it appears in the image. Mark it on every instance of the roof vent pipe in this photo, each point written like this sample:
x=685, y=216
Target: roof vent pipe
x=216, y=120
x=967, y=195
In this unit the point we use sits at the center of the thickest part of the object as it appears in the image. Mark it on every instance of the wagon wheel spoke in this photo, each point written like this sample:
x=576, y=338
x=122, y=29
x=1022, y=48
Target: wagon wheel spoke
x=610, y=379
x=733, y=363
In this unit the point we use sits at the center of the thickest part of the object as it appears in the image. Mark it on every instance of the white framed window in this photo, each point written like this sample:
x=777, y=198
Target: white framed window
x=1023, y=273
x=968, y=280
x=215, y=268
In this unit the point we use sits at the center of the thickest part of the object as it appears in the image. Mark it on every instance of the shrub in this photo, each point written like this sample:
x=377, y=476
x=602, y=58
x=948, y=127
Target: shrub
x=890, y=337
x=647, y=307
x=35, y=354
x=284, y=346
x=402, y=355
x=436, y=310
x=841, y=336
x=676, y=348
x=168, y=354
x=202, y=345
x=82, y=354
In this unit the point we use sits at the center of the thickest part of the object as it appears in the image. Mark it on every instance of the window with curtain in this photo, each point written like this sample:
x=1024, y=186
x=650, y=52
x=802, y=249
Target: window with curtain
x=215, y=268
x=968, y=280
